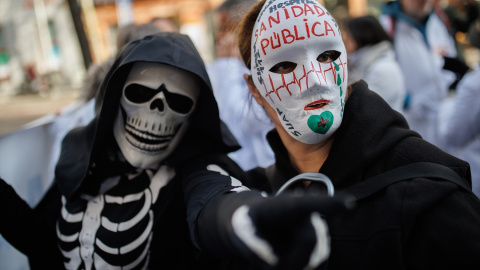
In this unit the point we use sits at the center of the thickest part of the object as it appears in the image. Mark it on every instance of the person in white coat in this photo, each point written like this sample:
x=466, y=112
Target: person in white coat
x=459, y=118
x=247, y=121
x=371, y=57
x=409, y=22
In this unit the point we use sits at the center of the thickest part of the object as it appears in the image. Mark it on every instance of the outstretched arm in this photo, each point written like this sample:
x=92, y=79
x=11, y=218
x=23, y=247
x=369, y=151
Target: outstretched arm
x=284, y=232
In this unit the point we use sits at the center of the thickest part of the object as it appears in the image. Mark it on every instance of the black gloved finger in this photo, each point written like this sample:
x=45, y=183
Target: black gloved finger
x=286, y=223
x=297, y=254
x=279, y=230
x=308, y=248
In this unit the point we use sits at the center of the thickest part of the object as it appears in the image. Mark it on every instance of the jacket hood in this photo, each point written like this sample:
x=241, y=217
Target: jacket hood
x=91, y=151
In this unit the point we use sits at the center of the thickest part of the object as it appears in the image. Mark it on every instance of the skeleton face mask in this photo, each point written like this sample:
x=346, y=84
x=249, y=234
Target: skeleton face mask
x=156, y=103
x=299, y=66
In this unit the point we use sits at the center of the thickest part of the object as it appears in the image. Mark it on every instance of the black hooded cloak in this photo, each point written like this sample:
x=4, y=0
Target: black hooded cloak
x=90, y=159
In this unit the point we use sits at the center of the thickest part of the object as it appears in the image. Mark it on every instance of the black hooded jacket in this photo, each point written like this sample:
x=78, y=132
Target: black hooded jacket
x=416, y=224
x=83, y=149
x=90, y=155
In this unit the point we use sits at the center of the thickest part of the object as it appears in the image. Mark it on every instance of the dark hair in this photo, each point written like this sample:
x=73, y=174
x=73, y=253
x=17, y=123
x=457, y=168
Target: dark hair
x=245, y=31
x=365, y=30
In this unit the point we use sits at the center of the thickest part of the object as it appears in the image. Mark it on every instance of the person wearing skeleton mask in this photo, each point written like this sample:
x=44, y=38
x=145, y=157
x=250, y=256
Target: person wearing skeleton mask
x=298, y=66
x=116, y=200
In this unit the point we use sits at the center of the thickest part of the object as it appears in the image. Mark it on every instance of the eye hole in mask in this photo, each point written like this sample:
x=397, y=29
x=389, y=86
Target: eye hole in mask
x=328, y=57
x=286, y=67
x=137, y=93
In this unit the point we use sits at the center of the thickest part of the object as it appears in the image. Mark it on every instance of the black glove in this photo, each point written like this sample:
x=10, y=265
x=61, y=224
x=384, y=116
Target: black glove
x=458, y=67
x=455, y=65
x=286, y=232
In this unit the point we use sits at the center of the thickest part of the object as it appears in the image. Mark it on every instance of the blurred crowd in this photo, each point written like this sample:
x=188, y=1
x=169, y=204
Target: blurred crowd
x=413, y=56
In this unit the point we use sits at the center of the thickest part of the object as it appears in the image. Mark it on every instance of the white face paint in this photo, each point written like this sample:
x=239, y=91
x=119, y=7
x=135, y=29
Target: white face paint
x=156, y=103
x=299, y=65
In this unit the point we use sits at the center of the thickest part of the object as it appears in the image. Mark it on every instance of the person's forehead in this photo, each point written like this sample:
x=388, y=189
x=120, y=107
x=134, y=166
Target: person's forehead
x=311, y=36
x=278, y=12
x=296, y=25
x=152, y=71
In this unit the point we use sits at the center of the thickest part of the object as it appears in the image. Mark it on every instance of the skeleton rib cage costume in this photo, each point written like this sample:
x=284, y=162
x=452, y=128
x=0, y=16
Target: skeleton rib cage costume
x=125, y=214
x=103, y=213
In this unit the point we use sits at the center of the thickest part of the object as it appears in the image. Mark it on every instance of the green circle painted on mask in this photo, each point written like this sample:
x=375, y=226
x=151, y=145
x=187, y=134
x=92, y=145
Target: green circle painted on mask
x=320, y=123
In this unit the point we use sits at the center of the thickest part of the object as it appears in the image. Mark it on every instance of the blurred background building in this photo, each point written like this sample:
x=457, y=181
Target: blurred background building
x=47, y=45
x=39, y=49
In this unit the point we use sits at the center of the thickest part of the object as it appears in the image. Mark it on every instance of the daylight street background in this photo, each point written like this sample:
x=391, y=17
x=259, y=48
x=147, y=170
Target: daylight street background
x=19, y=110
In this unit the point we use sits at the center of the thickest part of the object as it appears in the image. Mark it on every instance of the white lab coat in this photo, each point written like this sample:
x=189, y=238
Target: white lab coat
x=376, y=65
x=460, y=124
x=425, y=80
x=247, y=121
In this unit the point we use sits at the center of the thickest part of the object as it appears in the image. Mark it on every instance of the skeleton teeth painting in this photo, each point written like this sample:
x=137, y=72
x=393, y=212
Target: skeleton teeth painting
x=151, y=137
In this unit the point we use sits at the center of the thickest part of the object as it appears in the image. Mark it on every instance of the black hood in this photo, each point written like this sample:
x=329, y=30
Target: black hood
x=91, y=152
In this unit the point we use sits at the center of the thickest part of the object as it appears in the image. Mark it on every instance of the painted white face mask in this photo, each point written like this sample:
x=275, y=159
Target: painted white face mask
x=156, y=103
x=299, y=65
